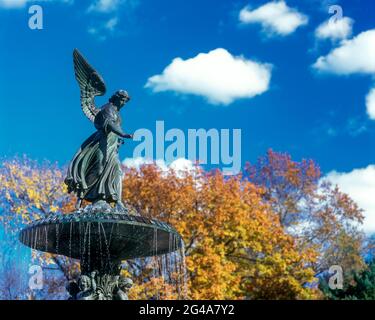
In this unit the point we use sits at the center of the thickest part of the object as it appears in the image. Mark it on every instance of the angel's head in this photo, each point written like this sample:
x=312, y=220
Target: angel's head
x=119, y=98
x=84, y=283
x=125, y=284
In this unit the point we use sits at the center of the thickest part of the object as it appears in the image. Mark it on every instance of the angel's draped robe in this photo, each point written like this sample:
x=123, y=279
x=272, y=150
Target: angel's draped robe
x=95, y=171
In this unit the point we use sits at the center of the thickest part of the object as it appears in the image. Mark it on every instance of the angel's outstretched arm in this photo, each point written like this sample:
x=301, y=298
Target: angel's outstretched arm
x=115, y=128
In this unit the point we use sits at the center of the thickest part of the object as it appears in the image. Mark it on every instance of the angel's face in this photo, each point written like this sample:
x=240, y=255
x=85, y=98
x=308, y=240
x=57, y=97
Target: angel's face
x=121, y=100
x=84, y=283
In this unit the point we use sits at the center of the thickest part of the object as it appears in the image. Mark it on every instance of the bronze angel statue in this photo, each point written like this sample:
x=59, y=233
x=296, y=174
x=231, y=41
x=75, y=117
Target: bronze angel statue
x=95, y=173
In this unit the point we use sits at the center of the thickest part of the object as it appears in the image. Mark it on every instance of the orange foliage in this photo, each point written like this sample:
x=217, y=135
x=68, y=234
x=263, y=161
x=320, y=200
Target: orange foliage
x=235, y=245
x=311, y=209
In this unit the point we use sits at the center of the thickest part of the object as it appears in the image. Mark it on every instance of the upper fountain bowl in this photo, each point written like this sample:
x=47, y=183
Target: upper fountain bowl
x=118, y=236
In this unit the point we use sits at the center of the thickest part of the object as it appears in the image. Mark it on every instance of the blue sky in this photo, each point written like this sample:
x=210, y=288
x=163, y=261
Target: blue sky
x=311, y=112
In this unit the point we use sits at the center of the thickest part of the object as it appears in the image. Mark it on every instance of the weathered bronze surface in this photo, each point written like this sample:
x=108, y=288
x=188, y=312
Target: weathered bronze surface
x=95, y=174
x=110, y=236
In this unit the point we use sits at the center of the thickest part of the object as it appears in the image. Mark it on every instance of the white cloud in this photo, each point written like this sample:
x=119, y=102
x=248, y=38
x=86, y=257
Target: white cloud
x=111, y=24
x=275, y=17
x=217, y=75
x=370, y=103
x=179, y=166
x=335, y=30
x=14, y=4
x=356, y=55
x=102, y=30
x=92, y=30
x=105, y=6
x=359, y=184
x=106, y=16
x=182, y=164
x=139, y=162
x=108, y=6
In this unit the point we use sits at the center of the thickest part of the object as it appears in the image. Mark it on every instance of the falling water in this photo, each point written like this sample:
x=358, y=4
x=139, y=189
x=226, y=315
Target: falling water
x=89, y=246
x=32, y=239
x=156, y=259
x=57, y=238
x=70, y=238
x=100, y=244
x=183, y=271
x=85, y=233
x=35, y=238
x=107, y=244
x=169, y=267
x=46, y=237
x=111, y=233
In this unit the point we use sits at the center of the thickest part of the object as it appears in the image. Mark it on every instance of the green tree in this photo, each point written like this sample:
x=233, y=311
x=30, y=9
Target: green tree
x=361, y=287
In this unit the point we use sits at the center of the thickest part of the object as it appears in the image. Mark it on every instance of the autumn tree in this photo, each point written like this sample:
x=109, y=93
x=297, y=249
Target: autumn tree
x=311, y=209
x=235, y=245
x=29, y=191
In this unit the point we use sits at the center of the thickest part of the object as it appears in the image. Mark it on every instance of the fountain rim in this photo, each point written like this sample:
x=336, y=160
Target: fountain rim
x=99, y=217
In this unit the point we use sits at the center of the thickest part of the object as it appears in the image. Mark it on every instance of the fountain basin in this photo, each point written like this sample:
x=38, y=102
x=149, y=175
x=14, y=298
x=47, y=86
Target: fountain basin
x=110, y=235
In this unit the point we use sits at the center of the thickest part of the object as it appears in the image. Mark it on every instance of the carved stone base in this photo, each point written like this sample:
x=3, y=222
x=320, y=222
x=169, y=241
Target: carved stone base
x=100, y=285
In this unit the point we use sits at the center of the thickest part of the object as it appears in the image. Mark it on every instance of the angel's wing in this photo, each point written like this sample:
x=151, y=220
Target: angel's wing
x=90, y=83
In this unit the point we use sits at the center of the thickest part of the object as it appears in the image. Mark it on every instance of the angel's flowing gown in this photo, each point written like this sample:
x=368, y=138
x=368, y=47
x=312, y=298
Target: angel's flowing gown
x=95, y=171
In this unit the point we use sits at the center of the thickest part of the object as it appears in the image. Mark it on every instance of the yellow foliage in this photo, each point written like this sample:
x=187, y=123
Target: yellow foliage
x=31, y=190
x=235, y=245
